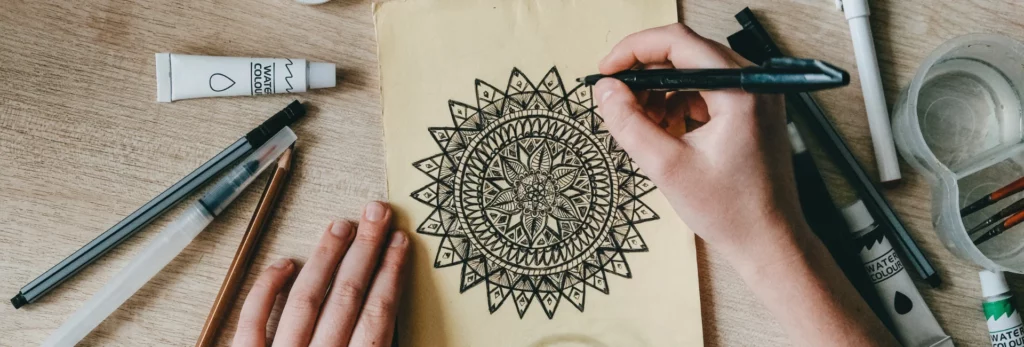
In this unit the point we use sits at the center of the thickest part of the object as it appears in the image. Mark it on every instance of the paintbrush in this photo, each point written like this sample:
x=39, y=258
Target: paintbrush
x=1001, y=193
x=1010, y=222
x=1009, y=210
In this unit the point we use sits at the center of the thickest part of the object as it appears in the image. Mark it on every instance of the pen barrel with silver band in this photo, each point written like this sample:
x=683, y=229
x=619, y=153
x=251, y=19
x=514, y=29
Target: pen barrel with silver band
x=130, y=225
x=682, y=80
x=777, y=75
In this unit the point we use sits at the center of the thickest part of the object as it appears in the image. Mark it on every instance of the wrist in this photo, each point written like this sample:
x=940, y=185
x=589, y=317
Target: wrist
x=777, y=243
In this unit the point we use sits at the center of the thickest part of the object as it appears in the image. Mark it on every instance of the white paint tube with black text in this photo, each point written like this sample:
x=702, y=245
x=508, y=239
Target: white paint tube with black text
x=181, y=76
x=914, y=323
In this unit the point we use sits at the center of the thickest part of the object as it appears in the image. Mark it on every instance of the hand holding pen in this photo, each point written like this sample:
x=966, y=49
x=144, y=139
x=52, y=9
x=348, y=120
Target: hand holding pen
x=740, y=148
x=731, y=180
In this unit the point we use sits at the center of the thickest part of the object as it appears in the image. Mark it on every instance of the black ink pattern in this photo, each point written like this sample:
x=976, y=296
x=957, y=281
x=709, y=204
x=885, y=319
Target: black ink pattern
x=532, y=196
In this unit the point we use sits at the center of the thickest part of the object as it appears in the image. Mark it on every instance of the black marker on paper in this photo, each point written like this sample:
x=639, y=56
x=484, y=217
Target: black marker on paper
x=913, y=322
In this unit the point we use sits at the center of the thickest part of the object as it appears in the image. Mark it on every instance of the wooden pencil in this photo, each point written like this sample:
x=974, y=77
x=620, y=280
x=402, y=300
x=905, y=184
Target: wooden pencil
x=246, y=250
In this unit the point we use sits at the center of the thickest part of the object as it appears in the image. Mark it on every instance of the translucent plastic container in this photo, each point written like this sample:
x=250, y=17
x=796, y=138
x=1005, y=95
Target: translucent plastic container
x=959, y=123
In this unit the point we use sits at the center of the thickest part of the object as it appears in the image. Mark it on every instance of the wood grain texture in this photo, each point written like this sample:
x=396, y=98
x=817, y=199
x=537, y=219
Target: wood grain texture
x=83, y=143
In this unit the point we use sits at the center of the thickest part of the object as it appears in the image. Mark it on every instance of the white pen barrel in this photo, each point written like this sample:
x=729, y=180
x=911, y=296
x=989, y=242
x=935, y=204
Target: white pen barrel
x=167, y=245
x=874, y=99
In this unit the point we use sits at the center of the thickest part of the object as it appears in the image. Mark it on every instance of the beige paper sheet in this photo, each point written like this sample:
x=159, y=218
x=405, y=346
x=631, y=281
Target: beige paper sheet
x=433, y=51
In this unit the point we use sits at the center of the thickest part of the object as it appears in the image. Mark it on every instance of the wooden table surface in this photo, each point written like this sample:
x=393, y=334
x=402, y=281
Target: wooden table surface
x=83, y=143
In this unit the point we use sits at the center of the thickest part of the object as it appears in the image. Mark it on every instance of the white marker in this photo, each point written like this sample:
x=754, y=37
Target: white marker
x=871, y=85
x=1004, y=325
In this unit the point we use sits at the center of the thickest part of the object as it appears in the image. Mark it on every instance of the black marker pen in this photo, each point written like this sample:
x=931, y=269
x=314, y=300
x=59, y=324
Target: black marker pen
x=777, y=75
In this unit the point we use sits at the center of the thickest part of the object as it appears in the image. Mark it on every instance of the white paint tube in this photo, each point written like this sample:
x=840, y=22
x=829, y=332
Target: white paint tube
x=180, y=76
x=1004, y=324
x=914, y=323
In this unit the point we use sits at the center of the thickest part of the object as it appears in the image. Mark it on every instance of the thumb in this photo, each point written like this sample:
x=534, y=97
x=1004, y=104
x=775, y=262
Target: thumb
x=650, y=146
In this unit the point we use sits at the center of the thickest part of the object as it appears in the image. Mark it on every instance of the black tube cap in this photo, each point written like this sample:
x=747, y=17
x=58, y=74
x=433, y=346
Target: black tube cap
x=257, y=137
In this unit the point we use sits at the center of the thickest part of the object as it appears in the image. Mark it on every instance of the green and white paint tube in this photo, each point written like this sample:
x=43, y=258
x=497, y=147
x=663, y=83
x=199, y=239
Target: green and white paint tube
x=914, y=324
x=1004, y=325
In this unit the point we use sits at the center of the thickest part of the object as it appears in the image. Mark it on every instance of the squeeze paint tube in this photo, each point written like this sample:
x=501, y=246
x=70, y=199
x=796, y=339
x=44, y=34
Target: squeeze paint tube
x=180, y=76
x=914, y=323
x=1004, y=324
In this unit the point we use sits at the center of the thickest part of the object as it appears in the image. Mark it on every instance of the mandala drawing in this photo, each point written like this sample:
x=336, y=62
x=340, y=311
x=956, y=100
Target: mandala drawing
x=531, y=196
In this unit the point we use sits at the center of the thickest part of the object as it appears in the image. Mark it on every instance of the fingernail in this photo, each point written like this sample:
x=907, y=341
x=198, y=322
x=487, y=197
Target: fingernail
x=374, y=211
x=341, y=228
x=282, y=263
x=605, y=95
x=397, y=239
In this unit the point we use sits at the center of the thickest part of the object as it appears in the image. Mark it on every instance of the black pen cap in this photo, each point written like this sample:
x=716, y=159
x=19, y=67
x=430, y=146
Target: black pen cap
x=257, y=137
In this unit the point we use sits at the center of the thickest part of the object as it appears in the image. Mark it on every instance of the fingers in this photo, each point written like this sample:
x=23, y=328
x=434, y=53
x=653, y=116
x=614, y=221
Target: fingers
x=654, y=106
x=252, y=323
x=300, y=313
x=674, y=43
x=684, y=49
x=735, y=57
x=646, y=142
x=686, y=105
x=344, y=302
x=376, y=325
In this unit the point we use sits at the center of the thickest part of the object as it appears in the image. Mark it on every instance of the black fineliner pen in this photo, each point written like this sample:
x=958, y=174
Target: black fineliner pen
x=777, y=75
x=154, y=208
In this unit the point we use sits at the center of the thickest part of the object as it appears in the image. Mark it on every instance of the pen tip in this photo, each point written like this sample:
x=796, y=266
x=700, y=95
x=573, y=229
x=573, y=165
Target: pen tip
x=579, y=79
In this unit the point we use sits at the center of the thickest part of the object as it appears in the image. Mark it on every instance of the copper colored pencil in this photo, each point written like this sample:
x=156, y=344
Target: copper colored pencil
x=246, y=250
